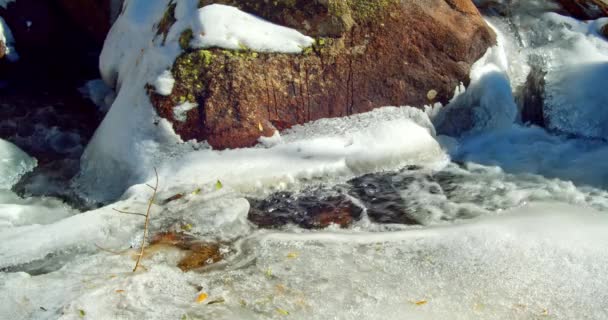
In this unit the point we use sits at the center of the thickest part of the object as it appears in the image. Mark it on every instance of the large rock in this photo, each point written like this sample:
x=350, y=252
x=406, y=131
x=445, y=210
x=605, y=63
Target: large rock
x=585, y=9
x=368, y=54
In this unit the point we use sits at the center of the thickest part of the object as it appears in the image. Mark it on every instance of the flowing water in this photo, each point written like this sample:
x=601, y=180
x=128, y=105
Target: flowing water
x=377, y=216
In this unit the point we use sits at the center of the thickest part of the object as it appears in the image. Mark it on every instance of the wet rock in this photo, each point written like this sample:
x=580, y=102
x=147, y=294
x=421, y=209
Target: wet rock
x=197, y=254
x=2, y=49
x=368, y=54
x=604, y=31
x=585, y=9
x=533, y=97
x=314, y=211
x=94, y=16
x=381, y=196
x=44, y=32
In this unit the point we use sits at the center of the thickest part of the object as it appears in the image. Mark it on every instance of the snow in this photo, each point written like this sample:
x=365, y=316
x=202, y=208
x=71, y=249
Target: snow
x=164, y=83
x=6, y=36
x=14, y=163
x=180, y=112
x=230, y=28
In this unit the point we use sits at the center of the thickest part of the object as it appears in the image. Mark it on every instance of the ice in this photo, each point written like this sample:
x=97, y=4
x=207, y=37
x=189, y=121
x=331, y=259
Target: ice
x=14, y=163
x=532, y=150
x=6, y=36
x=99, y=92
x=536, y=261
x=488, y=103
x=16, y=211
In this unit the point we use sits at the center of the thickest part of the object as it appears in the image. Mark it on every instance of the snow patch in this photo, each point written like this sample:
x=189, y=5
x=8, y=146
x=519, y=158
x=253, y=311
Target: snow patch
x=164, y=83
x=230, y=28
x=180, y=112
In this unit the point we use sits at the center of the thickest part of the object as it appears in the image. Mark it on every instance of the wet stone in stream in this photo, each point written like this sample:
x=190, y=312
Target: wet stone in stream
x=310, y=211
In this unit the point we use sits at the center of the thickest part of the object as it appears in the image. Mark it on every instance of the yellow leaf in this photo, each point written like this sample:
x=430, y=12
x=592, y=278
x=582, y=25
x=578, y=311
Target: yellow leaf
x=197, y=191
x=420, y=303
x=260, y=127
x=292, y=255
x=269, y=273
x=218, y=185
x=187, y=227
x=282, y=312
x=82, y=313
x=201, y=297
x=120, y=291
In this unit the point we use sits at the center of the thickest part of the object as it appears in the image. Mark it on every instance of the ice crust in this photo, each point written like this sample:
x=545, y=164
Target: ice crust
x=14, y=163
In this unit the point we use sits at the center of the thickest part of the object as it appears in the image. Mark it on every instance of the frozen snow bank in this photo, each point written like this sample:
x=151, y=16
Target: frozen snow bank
x=381, y=146
x=14, y=163
x=230, y=28
x=6, y=36
x=538, y=261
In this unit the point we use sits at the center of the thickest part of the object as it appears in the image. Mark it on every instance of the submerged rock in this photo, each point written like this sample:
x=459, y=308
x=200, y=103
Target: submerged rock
x=366, y=55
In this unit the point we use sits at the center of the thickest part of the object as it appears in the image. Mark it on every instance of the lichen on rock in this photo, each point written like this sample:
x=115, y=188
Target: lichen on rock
x=366, y=55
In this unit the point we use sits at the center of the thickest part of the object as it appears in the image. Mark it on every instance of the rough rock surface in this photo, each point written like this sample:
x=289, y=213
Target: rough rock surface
x=585, y=9
x=605, y=30
x=368, y=54
x=2, y=49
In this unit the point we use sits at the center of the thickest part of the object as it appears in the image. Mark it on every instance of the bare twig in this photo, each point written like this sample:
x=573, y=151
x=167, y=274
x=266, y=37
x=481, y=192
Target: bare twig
x=143, y=240
x=127, y=212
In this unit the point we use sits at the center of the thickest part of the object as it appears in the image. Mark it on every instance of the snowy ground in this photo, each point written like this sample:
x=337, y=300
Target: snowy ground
x=515, y=230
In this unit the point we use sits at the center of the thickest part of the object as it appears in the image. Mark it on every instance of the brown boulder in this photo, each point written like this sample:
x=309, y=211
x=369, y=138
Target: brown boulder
x=585, y=9
x=2, y=49
x=367, y=55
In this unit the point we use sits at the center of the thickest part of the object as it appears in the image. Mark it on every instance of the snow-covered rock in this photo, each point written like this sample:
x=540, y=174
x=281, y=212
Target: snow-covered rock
x=139, y=60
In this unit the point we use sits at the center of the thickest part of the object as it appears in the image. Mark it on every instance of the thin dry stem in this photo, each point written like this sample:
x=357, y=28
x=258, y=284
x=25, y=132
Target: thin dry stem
x=143, y=240
x=127, y=212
